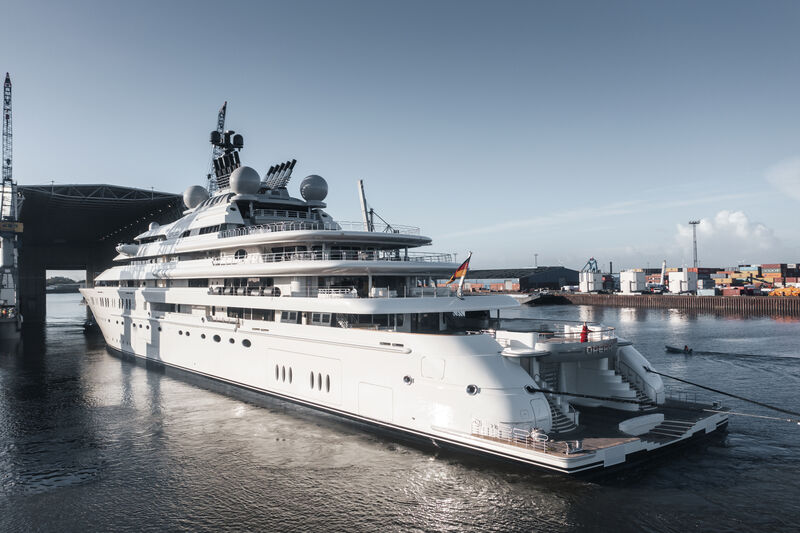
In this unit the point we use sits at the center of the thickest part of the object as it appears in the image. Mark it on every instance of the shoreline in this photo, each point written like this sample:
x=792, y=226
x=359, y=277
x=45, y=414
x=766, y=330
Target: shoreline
x=756, y=305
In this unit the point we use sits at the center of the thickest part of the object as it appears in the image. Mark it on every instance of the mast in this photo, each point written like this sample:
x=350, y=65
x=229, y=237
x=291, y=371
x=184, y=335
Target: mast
x=216, y=151
x=368, y=225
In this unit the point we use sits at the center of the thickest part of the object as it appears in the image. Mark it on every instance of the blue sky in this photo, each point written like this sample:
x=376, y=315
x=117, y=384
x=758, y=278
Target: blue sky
x=563, y=129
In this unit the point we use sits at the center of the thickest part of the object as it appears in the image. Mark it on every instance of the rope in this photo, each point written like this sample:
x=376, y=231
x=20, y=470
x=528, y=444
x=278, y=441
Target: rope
x=590, y=396
x=792, y=420
x=779, y=409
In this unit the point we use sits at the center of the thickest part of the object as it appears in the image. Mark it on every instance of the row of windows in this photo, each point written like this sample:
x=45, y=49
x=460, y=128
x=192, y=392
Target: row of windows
x=245, y=342
x=315, y=380
x=119, y=303
x=319, y=381
x=281, y=374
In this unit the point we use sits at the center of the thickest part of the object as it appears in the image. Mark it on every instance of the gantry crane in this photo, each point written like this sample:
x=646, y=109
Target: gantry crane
x=591, y=266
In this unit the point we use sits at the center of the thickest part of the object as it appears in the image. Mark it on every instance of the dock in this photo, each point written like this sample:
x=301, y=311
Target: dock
x=755, y=305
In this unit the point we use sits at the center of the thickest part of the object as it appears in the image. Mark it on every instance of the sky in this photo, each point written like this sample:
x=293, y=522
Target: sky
x=520, y=131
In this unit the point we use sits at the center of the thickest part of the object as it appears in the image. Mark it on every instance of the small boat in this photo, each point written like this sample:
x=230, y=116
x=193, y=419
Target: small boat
x=673, y=349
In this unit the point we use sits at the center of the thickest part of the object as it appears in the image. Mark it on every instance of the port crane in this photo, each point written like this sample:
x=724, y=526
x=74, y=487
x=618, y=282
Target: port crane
x=216, y=151
x=591, y=266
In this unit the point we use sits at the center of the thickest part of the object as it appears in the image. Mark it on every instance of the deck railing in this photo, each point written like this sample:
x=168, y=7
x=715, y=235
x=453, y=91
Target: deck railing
x=521, y=436
x=332, y=255
x=635, y=379
x=316, y=226
x=563, y=331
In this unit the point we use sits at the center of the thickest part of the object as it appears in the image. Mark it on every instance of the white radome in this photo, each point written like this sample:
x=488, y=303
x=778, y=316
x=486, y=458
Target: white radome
x=194, y=196
x=245, y=180
x=314, y=188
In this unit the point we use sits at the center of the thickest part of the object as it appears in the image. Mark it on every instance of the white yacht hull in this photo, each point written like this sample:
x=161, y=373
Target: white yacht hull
x=389, y=379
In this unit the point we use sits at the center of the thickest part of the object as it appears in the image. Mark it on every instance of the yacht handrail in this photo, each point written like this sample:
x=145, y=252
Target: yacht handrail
x=635, y=379
x=283, y=213
x=556, y=330
x=521, y=436
x=316, y=226
x=332, y=255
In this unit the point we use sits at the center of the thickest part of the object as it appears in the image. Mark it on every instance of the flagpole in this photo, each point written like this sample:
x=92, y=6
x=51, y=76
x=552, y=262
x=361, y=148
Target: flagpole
x=461, y=281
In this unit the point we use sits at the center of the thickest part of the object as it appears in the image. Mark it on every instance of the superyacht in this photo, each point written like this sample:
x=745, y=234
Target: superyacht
x=266, y=291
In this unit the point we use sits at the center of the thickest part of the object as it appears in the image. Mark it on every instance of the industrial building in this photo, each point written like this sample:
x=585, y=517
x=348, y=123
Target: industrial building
x=521, y=279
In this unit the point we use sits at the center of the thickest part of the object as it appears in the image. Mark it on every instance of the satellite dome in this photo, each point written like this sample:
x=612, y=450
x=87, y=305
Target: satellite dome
x=313, y=188
x=153, y=226
x=245, y=180
x=194, y=196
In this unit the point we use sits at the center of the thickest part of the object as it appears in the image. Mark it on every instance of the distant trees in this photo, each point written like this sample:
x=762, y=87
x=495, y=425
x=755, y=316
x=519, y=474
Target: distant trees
x=59, y=280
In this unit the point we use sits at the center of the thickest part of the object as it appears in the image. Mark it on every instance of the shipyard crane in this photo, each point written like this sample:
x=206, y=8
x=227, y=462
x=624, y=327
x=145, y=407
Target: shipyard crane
x=216, y=151
x=591, y=266
x=6, y=197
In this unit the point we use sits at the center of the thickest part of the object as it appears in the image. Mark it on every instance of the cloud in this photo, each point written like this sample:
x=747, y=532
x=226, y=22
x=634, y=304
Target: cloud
x=729, y=236
x=590, y=213
x=785, y=176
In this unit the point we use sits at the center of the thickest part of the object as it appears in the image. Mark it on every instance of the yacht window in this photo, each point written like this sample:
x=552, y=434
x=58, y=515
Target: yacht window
x=289, y=317
x=240, y=254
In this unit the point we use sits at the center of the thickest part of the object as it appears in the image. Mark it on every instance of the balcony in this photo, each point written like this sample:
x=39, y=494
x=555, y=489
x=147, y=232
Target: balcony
x=309, y=225
x=332, y=255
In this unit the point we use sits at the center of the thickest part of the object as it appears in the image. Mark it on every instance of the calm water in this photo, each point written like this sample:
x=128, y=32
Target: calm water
x=92, y=442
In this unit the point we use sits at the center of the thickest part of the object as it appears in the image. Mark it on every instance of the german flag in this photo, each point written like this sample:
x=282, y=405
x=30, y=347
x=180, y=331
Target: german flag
x=460, y=271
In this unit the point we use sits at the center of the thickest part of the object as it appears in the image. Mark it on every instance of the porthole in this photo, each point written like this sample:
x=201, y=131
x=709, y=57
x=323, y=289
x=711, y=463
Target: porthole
x=231, y=341
x=245, y=343
x=283, y=373
x=180, y=332
x=290, y=374
x=312, y=380
x=202, y=335
x=140, y=326
x=187, y=333
x=147, y=327
x=327, y=383
x=319, y=381
x=472, y=390
x=217, y=338
x=277, y=370
x=159, y=328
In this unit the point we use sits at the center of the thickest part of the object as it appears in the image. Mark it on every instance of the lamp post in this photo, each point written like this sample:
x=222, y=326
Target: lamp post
x=694, y=224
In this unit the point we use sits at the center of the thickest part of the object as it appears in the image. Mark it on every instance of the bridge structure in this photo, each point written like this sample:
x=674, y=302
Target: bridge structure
x=77, y=227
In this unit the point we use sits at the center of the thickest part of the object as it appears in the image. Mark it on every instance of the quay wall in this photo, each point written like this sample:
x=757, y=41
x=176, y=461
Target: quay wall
x=757, y=305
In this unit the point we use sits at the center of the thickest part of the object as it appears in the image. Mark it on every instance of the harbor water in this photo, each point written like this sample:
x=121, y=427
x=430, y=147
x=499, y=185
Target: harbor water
x=90, y=441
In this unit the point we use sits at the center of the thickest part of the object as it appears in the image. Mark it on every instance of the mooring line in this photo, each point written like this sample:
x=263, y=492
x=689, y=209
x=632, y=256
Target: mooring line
x=779, y=419
x=768, y=406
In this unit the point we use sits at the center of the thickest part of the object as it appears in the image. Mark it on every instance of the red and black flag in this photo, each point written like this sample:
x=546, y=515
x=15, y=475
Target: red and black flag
x=461, y=271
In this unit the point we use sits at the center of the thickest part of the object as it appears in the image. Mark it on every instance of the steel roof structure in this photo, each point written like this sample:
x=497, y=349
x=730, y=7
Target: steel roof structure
x=84, y=214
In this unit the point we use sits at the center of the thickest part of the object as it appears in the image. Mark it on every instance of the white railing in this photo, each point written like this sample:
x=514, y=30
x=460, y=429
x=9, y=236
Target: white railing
x=337, y=292
x=521, y=436
x=332, y=255
x=316, y=226
x=283, y=213
x=635, y=379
